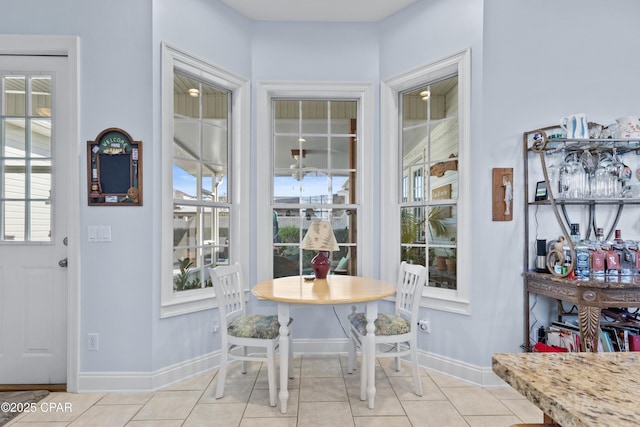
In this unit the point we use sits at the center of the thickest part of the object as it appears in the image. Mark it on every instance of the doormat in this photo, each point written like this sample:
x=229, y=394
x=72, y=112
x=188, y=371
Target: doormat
x=13, y=403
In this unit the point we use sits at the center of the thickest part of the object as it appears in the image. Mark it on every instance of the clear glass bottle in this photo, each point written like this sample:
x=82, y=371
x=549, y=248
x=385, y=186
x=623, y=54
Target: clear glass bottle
x=598, y=256
x=627, y=261
x=583, y=259
x=614, y=251
x=566, y=249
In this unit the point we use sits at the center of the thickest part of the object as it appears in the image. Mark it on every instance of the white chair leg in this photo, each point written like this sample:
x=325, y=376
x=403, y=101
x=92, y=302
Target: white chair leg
x=290, y=354
x=222, y=372
x=397, y=347
x=416, y=370
x=271, y=374
x=351, y=353
x=363, y=372
x=244, y=362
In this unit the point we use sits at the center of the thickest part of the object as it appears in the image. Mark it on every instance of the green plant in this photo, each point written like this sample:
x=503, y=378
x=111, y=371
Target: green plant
x=182, y=281
x=436, y=221
x=409, y=227
x=289, y=234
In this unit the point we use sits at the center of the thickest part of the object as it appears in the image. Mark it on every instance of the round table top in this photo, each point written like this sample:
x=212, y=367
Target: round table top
x=335, y=289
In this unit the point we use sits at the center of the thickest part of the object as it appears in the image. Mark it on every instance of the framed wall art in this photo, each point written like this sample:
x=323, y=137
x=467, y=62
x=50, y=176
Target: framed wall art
x=114, y=169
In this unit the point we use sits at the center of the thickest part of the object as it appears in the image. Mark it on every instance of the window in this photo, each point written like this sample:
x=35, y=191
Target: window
x=429, y=152
x=425, y=119
x=202, y=146
x=314, y=178
x=320, y=167
x=201, y=202
x=25, y=158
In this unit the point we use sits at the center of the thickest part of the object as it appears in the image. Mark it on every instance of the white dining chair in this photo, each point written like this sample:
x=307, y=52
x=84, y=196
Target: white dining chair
x=241, y=331
x=398, y=330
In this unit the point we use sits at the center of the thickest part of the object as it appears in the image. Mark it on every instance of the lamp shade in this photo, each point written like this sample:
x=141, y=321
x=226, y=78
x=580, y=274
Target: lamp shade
x=320, y=237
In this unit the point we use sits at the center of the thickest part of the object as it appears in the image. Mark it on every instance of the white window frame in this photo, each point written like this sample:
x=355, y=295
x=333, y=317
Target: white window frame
x=177, y=303
x=363, y=94
x=458, y=300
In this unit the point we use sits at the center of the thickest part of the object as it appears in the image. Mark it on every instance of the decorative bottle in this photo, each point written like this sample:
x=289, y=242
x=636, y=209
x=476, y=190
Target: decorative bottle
x=614, y=250
x=582, y=260
x=566, y=248
x=598, y=255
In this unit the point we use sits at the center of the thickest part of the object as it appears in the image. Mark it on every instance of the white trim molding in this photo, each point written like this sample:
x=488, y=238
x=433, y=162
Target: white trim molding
x=455, y=301
x=174, y=303
x=165, y=377
x=68, y=46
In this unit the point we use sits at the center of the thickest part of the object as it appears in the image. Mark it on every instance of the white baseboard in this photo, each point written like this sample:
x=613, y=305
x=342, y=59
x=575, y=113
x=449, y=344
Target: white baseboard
x=146, y=381
x=476, y=375
x=152, y=381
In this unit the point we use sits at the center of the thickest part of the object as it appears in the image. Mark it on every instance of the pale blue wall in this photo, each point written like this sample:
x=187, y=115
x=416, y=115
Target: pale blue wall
x=115, y=90
x=543, y=60
x=524, y=75
x=421, y=34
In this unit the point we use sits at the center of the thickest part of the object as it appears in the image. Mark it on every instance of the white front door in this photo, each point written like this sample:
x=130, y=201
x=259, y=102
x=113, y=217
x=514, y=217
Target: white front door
x=34, y=198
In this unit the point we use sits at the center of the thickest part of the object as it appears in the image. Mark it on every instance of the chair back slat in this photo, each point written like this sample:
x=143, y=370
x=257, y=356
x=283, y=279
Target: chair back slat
x=229, y=288
x=411, y=281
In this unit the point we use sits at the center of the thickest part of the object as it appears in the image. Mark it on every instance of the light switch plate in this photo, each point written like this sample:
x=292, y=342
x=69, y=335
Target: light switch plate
x=99, y=233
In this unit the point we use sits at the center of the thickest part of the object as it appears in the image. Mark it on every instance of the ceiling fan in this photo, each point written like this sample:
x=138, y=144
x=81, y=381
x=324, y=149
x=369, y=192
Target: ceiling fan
x=298, y=169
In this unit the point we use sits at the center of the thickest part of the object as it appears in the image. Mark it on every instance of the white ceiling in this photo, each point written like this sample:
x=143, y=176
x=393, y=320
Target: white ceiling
x=318, y=10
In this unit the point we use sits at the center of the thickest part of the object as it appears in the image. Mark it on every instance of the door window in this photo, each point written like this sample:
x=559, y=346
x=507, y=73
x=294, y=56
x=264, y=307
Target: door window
x=25, y=158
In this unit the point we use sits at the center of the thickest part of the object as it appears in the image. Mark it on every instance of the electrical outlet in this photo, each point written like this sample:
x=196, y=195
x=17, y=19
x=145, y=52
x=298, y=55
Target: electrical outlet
x=92, y=342
x=424, y=326
x=215, y=326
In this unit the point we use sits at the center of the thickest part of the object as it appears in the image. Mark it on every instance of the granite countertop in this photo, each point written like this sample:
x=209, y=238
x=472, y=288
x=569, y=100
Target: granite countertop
x=577, y=389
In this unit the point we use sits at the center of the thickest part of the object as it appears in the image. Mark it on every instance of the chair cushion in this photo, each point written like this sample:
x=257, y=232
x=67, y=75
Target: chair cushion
x=258, y=326
x=386, y=324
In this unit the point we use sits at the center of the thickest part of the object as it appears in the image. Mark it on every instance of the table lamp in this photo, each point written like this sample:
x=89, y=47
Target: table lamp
x=320, y=238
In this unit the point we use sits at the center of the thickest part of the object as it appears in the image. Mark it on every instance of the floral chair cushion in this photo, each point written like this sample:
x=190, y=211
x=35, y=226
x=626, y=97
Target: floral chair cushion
x=386, y=324
x=258, y=326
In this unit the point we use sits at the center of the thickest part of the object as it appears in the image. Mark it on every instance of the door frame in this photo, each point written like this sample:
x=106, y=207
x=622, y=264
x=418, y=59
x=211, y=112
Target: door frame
x=63, y=46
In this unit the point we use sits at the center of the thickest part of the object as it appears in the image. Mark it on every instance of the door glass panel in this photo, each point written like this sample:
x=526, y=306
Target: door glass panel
x=41, y=96
x=41, y=180
x=14, y=137
x=39, y=221
x=26, y=159
x=15, y=96
x=41, y=138
x=14, y=179
x=14, y=221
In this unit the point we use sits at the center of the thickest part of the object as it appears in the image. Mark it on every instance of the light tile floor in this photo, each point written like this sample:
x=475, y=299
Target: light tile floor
x=321, y=394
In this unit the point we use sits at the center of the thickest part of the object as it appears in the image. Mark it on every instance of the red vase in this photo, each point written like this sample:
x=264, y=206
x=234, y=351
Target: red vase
x=321, y=265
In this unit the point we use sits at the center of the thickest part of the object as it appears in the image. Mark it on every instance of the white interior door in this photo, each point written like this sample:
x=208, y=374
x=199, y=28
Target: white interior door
x=34, y=165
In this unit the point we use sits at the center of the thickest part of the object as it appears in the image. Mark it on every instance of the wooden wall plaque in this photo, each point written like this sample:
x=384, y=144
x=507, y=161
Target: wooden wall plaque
x=502, y=194
x=114, y=169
